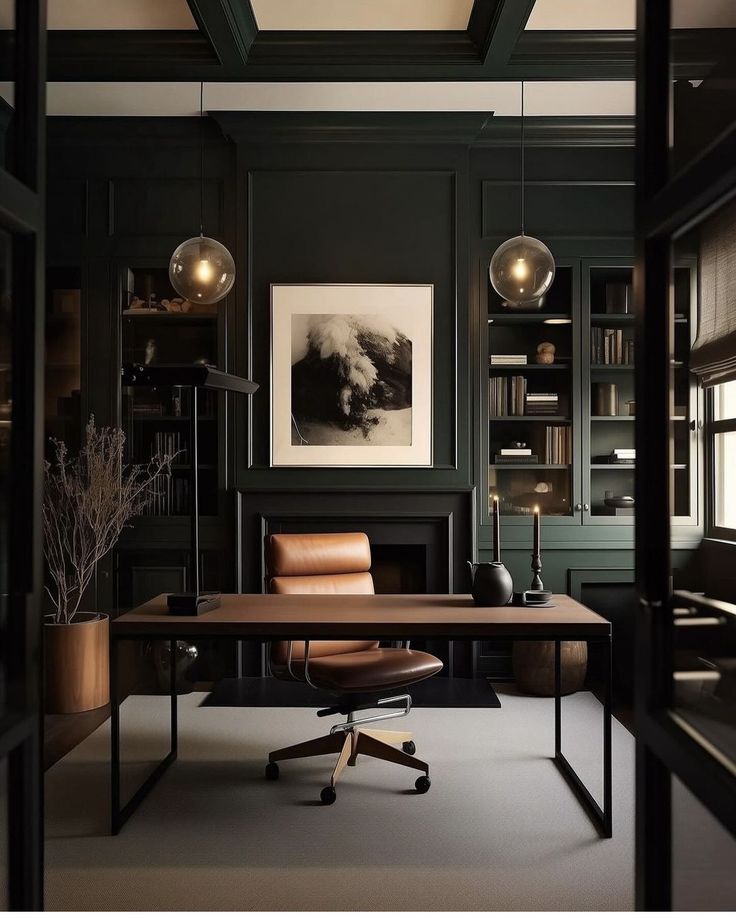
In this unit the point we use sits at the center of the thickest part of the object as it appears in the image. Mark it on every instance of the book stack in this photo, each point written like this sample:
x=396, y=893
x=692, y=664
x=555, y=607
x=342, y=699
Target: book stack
x=542, y=403
x=608, y=347
x=557, y=445
x=506, y=395
x=622, y=456
x=166, y=443
x=514, y=455
x=507, y=360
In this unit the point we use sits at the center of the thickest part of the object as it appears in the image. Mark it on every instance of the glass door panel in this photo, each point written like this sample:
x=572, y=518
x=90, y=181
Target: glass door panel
x=609, y=408
x=532, y=403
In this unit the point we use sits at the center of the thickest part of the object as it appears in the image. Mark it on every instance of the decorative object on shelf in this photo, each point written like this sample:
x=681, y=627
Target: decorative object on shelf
x=605, y=399
x=195, y=378
x=522, y=268
x=546, y=352
x=87, y=502
x=632, y=407
x=491, y=583
x=517, y=453
x=149, y=353
x=537, y=552
x=351, y=370
x=621, y=502
x=622, y=455
x=201, y=269
x=618, y=297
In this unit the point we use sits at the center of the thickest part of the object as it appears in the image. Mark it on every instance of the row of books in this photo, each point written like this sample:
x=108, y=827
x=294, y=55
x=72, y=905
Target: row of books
x=557, y=445
x=501, y=360
x=608, y=347
x=542, y=403
x=169, y=496
x=506, y=395
x=169, y=443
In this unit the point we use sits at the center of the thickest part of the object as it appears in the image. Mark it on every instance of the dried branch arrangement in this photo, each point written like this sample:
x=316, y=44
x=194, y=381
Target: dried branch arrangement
x=87, y=501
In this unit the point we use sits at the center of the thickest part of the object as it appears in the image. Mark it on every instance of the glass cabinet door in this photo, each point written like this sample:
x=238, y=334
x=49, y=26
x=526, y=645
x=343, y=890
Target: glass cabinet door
x=609, y=407
x=533, y=400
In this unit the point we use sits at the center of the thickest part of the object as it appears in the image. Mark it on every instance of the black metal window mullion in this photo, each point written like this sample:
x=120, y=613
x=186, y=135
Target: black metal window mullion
x=713, y=427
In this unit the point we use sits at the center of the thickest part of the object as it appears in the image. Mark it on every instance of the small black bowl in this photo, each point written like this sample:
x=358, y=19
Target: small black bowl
x=537, y=597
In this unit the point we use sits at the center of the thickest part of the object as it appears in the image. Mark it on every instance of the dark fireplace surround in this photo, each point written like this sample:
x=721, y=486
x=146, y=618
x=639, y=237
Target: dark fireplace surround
x=420, y=543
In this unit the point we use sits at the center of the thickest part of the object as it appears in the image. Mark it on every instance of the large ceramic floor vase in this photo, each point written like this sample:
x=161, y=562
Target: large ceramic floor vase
x=534, y=666
x=77, y=664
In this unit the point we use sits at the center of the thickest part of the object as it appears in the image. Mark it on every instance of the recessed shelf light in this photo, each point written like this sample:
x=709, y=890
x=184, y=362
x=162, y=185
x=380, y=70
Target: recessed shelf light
x=557, y=321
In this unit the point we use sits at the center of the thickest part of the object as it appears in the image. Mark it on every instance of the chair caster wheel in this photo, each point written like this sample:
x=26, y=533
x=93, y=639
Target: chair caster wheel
x=272, y=771
x=423, y=784
x=409, y=747
x=328, y=795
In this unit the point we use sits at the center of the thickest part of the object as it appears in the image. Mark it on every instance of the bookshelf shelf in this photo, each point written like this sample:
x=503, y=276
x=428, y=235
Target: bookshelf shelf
x=516, y=418
x=523, y=367
x=526, y=465
x=526, y=318
x=607, y=367
x=615, y=417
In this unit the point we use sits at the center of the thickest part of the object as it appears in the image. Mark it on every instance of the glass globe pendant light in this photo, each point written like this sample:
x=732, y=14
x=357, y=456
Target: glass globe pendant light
x=522, y=268
x=201, y=269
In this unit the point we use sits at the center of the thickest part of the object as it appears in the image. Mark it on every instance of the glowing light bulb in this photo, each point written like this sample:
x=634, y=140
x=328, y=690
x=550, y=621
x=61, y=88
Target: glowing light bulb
x=204, y=271
x=520, y=269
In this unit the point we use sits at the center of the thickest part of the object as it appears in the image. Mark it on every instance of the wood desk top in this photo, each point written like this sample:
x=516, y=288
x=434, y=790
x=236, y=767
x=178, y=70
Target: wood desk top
x=382, y=617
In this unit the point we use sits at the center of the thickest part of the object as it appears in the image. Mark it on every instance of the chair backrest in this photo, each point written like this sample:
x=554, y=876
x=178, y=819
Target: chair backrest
x=331, y=562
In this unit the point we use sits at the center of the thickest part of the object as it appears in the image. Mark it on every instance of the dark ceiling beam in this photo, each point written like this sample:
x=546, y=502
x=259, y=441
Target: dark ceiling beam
x=230, y=26
x=482, y=25
x=509, y=21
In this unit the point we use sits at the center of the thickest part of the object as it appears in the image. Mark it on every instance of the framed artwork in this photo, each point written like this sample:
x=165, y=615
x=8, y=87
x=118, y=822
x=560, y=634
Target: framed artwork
x=351, y=374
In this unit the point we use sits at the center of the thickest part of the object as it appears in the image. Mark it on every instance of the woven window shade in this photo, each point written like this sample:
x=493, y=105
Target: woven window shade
x=713, y=356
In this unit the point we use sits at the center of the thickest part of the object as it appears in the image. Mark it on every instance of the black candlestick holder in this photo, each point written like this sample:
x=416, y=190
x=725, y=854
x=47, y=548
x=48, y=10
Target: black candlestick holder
x=537, y=570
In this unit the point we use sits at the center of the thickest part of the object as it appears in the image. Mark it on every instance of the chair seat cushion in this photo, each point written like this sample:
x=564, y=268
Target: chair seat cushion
x=372, y=670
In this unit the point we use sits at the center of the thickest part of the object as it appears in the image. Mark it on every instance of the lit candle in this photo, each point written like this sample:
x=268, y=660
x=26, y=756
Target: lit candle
x=537, y=532
x=496, y=531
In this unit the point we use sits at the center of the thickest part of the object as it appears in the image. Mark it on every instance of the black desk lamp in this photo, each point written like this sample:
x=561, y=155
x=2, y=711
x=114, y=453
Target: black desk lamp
x=195, y=377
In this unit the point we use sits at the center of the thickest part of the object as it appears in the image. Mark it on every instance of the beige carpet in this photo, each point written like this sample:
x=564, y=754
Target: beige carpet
x=499, y=828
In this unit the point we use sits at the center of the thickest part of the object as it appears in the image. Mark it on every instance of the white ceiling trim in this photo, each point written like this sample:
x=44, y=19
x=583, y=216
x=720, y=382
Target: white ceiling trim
x=358, y=15
x=182, y=99
x=582, y=14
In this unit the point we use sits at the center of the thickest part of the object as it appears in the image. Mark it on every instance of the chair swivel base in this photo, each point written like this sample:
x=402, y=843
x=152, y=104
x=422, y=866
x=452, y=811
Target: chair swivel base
x=377, y=744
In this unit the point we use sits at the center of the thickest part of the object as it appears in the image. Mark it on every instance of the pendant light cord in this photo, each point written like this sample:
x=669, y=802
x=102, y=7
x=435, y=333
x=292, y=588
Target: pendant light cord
x=522, y=157
x=201, y=159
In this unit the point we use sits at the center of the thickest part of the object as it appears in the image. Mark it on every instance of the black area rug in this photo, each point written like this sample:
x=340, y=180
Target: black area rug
x=252, y=691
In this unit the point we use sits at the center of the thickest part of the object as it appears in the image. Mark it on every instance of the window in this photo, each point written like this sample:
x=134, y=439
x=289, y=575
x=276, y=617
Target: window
x=722, y=444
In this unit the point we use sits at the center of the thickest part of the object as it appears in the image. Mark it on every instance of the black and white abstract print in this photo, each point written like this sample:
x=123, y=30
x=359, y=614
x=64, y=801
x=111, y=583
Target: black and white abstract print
x=351, y=381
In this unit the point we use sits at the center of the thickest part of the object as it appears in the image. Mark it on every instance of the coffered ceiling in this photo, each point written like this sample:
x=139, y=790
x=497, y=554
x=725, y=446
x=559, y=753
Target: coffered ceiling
x=132, y=57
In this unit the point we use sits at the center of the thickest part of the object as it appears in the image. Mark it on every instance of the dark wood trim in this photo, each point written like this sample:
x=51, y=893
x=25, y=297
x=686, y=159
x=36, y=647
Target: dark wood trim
x=230, y=27
x=608, y=54
x=483, y=24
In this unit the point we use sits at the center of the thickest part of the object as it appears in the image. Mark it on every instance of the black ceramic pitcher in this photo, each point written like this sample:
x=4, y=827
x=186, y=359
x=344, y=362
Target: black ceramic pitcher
x=491, y=583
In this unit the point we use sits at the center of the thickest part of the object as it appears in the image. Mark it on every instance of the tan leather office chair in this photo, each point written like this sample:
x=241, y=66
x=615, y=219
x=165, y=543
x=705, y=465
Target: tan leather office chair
x=356, y=671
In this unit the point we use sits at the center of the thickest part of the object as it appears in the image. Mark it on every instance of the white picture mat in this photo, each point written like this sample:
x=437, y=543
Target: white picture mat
x=414, y=304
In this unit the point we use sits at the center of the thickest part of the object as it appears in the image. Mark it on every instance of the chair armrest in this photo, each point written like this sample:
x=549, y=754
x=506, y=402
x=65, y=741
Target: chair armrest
x=306, y=665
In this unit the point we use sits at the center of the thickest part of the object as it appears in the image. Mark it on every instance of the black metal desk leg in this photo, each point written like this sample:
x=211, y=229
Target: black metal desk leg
x=602, y=818
x=121, y=814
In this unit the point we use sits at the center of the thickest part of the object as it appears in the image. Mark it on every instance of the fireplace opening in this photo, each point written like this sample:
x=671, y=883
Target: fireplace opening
x=399, y=568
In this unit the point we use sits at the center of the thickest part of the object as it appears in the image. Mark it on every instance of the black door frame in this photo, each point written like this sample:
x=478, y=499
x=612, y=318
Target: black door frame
x=664, y=206
x=22, y=217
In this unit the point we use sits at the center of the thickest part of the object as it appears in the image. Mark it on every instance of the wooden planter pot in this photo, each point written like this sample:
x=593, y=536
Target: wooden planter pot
x=534, y=666
x=77, y=664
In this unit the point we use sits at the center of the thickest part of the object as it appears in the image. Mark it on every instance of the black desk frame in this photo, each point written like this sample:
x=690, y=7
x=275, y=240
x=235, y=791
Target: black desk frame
x=601, y=817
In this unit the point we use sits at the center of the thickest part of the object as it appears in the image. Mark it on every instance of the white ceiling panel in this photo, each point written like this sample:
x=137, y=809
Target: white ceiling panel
x=182, y=99
x=576, y=15
x=357, y=15
x=111, y=14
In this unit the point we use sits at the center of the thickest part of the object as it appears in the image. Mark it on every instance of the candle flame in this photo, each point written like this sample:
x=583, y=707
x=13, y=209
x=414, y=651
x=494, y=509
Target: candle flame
x=536, y=509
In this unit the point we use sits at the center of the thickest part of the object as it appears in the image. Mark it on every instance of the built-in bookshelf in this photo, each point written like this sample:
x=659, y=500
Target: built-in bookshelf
x=561, y=407
x=158, y=328
x=531, y=403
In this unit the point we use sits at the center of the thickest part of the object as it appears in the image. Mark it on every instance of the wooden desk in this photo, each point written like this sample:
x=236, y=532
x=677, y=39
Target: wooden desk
x=382, y=617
